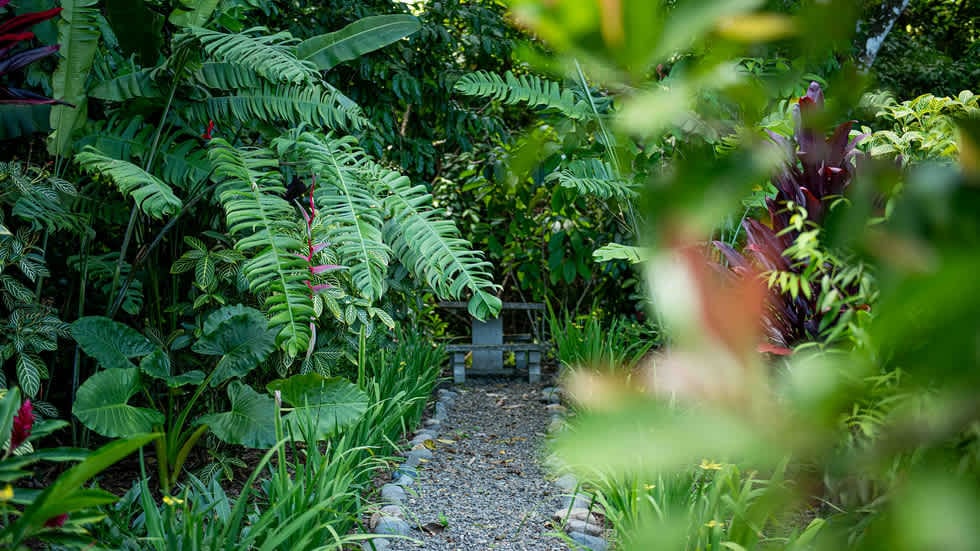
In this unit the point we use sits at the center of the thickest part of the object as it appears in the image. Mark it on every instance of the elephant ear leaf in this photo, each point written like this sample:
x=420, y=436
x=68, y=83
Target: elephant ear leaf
x=360, y=37
x=250, y=421
x=102, y=404
x=111, y=343
x=157, y=365
x=241, y=336
x=322, y=406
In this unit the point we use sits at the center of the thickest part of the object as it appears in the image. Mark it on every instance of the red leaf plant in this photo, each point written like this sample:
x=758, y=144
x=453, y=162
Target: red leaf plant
x=13, y=34
x=816, y=171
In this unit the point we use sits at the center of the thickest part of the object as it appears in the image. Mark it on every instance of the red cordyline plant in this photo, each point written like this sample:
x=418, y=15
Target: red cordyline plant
x=14, y=33
x=312, y=250
x=817, y=171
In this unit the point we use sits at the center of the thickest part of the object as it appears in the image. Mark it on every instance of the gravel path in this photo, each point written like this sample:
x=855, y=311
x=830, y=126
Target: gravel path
x=484, y=482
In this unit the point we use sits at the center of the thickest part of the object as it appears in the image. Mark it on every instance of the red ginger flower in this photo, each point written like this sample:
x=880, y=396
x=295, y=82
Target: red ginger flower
x=23, y=422
x=56, y=522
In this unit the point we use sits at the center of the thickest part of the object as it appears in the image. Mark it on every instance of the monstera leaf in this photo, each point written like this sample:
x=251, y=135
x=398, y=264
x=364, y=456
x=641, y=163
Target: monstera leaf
x=102, y=404
x=111, y=343
x=241, y=336
x=250, y=421
x=321, y=406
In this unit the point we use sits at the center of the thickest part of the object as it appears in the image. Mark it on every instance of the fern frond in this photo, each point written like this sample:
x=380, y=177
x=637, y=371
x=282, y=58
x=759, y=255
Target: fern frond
x=529, y=89
x=266, y=227
x=182, y=160
x=294, y=105
x=152, y=195
x=593, y=177
x=138, y=84
x=271, y=55
x=226, y=76
x=431, y=247
x=349, y=204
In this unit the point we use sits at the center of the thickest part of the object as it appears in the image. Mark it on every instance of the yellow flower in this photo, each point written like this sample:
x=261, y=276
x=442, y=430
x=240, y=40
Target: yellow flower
x=710, y=465
x=7, y=493
x=172, y=500
x=714, y=524
x=649, y=487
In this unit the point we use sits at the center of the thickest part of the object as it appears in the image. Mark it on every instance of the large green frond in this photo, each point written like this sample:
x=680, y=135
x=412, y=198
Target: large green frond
x=593, y=177
x=348, y=202
x=138, y=84
x=152, y=195
x=529, y=89
x=271, y=55
x=265, y=227
x=360, y=37
x=430, y=245
x=78, y=34
x=310, y=104
x=226, y=76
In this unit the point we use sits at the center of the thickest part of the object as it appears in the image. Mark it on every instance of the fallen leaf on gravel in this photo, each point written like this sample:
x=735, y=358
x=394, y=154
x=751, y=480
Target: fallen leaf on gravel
x=433, y=528
x=429, y=444
x=445, y=441
x=513, y=406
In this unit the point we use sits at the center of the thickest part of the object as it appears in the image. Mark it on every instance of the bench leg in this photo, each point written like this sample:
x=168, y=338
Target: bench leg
x=534, y=366
x=459, y=367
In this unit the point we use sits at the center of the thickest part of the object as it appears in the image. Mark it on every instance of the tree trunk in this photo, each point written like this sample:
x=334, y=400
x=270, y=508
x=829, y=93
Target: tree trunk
x=873, y=30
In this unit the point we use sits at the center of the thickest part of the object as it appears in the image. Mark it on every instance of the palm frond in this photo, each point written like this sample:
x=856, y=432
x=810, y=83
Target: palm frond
x=431, y=247
x=266, y=227
x=593, y=177
x=226, y=76
x=152, y=195
x=138, y=84
x=290, y=104
x=529, y=89
x=347, y=201
x=183, y=161
x=271, y=55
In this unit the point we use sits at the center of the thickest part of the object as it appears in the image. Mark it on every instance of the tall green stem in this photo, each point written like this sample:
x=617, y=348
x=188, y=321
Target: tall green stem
x=127, y=237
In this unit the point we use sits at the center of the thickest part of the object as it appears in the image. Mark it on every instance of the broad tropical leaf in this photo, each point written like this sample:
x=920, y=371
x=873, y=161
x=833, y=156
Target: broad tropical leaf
x=271, y=55
x=352, y=208
x=78, y=33
x=138, y=84
x=157, y=365
x=310, y=104
x=241, y=336
x=111, y=343
x=360, y=37
x=430, y=245
x=193, y=13
x=102, y=404
x=250, y=422
x=151, y=194
x=266, y=227
x=322, y=406
x=18, y=120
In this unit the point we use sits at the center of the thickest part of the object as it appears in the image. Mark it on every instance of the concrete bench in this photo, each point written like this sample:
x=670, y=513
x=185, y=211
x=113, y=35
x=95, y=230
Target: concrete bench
x=489, y=343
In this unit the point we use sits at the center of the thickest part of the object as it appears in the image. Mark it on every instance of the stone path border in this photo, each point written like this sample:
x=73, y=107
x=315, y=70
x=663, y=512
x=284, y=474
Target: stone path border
x=578, y=516
x=390, y=520
x=581, y=517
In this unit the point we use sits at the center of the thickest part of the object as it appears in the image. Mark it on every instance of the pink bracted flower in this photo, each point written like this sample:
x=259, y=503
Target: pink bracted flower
x=23, y=422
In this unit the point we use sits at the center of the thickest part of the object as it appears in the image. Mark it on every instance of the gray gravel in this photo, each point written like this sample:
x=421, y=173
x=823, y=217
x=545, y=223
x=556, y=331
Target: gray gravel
x=487, y=484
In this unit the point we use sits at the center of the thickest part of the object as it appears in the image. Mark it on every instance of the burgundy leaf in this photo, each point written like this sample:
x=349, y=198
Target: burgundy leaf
x=26, y=57
x=27, y=20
